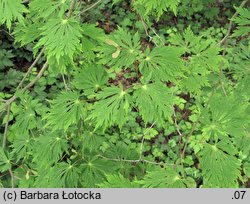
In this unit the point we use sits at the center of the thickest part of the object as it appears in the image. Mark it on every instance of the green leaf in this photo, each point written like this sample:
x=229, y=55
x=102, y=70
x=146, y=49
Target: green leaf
x=157, y=6
x=27, y=33
x=240, y=62
x=11, y=10
x=6, y=58
x=49, y=149
x=150, y=133
x=67, y=174
x=162, y=63
x=203, y=53
x=45, y=177
x=243, y=22
x=4, y=161
x=219, y=169
x=122, y=151
x=118, y=181
x=65, y=110
x=91, y=140
x=94, y=170
x=226, y=117
x=112, y=107
x=203, y=58
x=22, y=146
x=246, y=168
x=61, y=37
x=154, y=102
x=46, y=8
x=90, y=78
x=26, y=113
x=163, y=178
x=119, y=50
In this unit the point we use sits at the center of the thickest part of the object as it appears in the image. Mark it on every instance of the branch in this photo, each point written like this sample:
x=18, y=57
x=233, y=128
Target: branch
x=92, y=6
x=11, y=177
x=231, y=24
x=145, y=28
x=13, y=98
x=134, y=161
x=39, y=75
x=65, y=83
x=142, y=141
x=176, y=124
x=6, y=126
x=30, y=68
x=72, y=7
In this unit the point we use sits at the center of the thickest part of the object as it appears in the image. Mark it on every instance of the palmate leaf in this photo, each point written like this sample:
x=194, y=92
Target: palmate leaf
x=45, y=8
x=158, y=6
x=46, y=177
x=65, y=110
x=166, y=178
x=194, y=82
x=203, y=53
x=39, y=10
x=154, y=102
x=162, y=63
x=27, y=33
x=220, y=168
x=91, y=140
x=94, y=170
x=243, y=143
x=120, y=50
x=112, y=107
x=26, y=113
x=203, y=58
x=240, y=63
x=240, y=66
x=68, y=174
x=22, y=146
x=117, y=181
x=5, y=163
x=227, y=116
x=92, y=35
x=61, y=175
x=90, y=78
x=49, y=148
x=243, y=22
x=6, y=58
x=61, y=37
x=122, y=151
x=11, y=10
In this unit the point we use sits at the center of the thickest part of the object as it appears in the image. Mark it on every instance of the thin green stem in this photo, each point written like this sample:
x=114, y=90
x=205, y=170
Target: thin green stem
x=231, y=24
x=72, y=7
x=6, y=126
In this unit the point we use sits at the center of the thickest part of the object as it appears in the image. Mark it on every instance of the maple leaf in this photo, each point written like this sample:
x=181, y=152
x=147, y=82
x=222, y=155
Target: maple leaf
x=66, y=110
x=61, y=37
x=120, y=49
x=112, y=107
x=220, y=168
x=162, y=63
x=90, y=78
x=154, y=102
x=11, y=10
x=166, y=178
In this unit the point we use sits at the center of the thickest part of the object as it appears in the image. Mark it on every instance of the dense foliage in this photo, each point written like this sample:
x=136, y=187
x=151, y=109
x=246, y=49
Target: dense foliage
x=112, y=93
